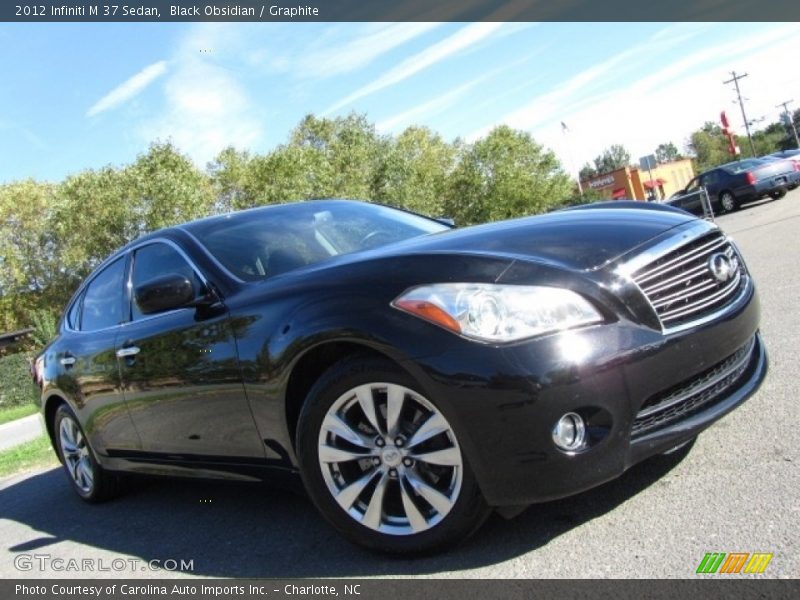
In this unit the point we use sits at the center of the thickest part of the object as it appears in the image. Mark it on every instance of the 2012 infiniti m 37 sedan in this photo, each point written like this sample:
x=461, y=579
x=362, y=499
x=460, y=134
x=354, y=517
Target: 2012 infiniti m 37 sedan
x=415, y=376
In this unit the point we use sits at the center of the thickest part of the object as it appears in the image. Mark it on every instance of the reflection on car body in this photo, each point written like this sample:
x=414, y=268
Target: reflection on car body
x=414, y=375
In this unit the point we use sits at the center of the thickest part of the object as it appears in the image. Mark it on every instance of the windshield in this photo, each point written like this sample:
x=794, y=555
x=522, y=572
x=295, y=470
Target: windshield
x=261, y=243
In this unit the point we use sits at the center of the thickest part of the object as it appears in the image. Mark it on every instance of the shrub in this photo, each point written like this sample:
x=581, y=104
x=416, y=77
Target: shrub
x=45, y=327
x=15, y=380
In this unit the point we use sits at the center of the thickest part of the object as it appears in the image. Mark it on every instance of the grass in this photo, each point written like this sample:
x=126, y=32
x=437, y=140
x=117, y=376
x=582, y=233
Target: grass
x=13, y=413
x=25, y=457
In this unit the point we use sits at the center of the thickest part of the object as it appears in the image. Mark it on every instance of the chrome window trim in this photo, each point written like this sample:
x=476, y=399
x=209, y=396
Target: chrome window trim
x=80, y=294
x=175, y=246
x=129, y=282
x=128, y=253
x=213, y=258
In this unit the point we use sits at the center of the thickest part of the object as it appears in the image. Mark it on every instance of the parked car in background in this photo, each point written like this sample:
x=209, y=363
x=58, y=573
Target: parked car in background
x=414, y=375
x=789, y=154
x=792, y=155
x=732, y=184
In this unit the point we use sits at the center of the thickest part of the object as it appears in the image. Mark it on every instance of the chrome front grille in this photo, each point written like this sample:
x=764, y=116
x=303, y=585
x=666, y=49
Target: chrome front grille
x=691, y=396
x=692, y=281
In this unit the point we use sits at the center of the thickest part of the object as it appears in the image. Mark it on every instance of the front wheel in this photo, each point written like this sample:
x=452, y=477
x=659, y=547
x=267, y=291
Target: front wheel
x=88, y=478
x=383, y=463
x=728, y=202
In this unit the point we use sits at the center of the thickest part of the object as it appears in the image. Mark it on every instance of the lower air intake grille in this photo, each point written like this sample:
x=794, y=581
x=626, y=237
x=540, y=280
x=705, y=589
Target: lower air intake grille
x=693, y=395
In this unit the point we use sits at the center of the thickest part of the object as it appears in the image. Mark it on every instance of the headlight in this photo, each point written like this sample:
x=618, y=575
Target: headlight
x=498, y=313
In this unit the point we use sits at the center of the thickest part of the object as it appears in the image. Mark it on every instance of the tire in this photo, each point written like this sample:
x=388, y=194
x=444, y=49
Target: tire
x=777, y=195
x=728, y=202
x=405, y=505
x=89, y=480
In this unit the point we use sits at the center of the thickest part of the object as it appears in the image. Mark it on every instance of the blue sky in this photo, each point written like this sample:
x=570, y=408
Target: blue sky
x=78, y=96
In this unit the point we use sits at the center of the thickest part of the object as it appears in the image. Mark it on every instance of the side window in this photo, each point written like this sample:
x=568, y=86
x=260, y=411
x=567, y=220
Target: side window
x=74, y=314
x=709, y=178
x=102, y=302
x=156, y=260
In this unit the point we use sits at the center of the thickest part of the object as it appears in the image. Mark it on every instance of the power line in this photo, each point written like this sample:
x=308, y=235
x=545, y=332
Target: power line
x=735, y=81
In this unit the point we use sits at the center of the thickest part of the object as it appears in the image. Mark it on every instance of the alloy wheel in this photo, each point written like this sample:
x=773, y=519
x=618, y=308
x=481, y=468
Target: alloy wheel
x=76, y=455
x=728, y=202
x=390, y=459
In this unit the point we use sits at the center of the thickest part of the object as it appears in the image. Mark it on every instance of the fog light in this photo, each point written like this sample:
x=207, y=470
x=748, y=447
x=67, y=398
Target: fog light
x=570, y=432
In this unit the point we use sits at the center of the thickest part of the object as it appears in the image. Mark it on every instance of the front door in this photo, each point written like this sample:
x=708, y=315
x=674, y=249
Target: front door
x=180, y=372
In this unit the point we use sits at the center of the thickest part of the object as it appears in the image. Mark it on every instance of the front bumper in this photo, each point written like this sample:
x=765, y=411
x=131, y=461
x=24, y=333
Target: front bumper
x=505, y=400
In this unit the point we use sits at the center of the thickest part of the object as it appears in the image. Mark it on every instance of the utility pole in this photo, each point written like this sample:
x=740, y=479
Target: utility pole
x=789, y=121
x=735, y=81
x=565, y=130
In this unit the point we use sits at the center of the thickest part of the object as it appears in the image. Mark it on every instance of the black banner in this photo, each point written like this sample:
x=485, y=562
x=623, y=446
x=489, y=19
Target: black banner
x=377, y=589
x=401, y=10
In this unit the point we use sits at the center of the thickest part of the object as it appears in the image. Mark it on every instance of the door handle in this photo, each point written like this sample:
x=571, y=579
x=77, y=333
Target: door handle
x=128, y=351
x=68, y=360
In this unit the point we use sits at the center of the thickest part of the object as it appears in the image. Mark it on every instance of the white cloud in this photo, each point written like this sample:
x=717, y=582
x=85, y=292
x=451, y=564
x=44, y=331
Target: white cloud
x=439, y=103
x=458, y=42
x=674, y=101
x=333, y=56
x=426, y=109
x=207, y=110
x=554, y=104
x=129, y=88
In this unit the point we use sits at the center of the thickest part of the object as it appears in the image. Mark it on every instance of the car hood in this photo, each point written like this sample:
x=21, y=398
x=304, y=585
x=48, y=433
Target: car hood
x=575, y=239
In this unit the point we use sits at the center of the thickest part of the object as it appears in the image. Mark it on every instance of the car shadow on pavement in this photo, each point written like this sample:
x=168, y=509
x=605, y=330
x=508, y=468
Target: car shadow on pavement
x=254, y=531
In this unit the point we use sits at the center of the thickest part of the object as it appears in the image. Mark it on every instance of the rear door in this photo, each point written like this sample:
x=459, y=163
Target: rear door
x=180, y=370
x=86, y=361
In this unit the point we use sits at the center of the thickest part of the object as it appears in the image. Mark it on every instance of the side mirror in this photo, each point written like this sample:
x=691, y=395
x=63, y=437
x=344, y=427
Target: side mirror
x=164, y=293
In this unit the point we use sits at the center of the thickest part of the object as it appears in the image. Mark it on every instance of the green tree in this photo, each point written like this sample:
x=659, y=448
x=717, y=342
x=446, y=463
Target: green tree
x=286, y=174
x=31, y=265
x=772, y=138
x=614, y=157
x=710, y=147
x=504, y=175
x=166, y=188
x=587, y=172
x=229, y=178
x=415, y=172
x=667, y=152
x=45, y=326
x=95, y=215
x=345, y=153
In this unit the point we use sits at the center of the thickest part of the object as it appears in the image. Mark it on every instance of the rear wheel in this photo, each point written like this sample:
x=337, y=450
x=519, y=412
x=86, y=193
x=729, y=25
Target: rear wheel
x=88, y=478
x=382, y=462
x=777, y=195
x=728, y=202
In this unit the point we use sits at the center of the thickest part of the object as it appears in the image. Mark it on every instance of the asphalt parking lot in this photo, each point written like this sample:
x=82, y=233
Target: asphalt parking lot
x=735, y=490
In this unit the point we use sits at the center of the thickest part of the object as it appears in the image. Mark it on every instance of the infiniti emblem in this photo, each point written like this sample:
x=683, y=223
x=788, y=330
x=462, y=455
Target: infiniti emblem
x=721, y=267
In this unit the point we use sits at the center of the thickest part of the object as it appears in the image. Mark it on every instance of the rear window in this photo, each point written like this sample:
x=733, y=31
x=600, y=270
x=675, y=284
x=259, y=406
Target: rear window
x=102, y=301
x=744, y=165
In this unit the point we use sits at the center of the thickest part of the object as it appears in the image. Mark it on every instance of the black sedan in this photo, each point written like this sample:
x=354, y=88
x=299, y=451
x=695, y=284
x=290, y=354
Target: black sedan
x=732, y=184
x=414, y=375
